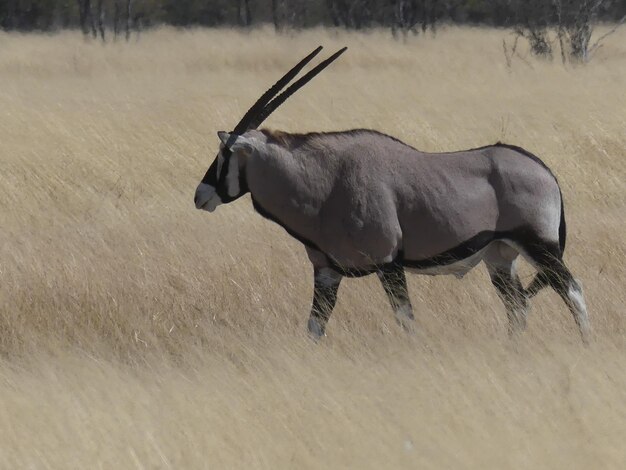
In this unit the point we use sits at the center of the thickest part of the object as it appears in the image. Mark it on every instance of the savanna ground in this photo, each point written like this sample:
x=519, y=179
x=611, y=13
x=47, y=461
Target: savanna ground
x=137, y=332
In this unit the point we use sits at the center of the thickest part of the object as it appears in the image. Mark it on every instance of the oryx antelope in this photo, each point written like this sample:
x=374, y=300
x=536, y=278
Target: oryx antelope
x=363, y=202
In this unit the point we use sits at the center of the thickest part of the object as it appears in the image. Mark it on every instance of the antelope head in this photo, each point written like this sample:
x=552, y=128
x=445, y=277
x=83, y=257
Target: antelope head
x=225, y=181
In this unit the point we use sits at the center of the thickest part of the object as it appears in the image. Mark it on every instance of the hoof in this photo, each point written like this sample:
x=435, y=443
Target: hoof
x=405, y=319
x=407, y=325
x=316, y=330
x=585, y=335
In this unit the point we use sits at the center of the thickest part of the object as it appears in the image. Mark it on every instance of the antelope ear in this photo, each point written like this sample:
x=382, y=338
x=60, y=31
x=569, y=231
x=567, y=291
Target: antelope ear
x=236, y=143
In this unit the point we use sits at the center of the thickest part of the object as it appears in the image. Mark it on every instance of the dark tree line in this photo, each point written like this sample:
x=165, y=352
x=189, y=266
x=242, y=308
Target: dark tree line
x=93, y=17
x=93, y=20
x=528, y=17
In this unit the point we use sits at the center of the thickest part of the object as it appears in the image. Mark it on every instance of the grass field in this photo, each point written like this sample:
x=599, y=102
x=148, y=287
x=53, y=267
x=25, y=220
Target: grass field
x=137, y=332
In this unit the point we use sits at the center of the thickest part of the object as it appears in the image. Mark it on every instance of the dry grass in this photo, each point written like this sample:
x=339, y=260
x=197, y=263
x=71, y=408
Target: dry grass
x=138, y=332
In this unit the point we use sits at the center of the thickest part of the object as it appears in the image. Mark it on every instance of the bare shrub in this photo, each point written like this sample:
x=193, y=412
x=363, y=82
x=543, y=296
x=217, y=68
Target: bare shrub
x=576, y=21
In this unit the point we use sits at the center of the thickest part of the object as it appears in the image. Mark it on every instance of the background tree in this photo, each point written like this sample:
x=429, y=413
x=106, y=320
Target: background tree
x=575, y=24
x=244, y=14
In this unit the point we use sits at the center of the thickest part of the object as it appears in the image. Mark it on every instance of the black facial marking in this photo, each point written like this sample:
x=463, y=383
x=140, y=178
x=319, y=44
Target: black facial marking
x=210, y=177
x=221, y=187
x=218, y=181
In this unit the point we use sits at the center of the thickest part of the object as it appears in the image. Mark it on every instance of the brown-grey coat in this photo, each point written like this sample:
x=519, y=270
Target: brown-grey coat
x=362, y=198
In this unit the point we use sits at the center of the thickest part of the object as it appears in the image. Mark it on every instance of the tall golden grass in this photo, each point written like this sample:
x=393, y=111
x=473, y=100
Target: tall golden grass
x=137, y=332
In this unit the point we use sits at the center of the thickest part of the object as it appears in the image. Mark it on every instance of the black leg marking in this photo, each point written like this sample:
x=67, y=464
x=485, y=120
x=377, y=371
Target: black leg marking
x=554, y=272
x=512, y=294
x=325, y=289
x=501, y=261
x=393, y=279
x=539, y=282
x=561, y=280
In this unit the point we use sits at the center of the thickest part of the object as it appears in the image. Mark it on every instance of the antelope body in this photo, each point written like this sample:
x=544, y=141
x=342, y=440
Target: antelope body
x=363, y=202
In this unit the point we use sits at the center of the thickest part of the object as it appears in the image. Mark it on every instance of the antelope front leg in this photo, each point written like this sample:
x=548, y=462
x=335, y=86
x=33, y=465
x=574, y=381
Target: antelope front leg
x=325, y=289
x=393, y=280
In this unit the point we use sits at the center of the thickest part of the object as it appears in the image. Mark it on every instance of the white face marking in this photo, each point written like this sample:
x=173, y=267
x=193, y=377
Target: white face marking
x=232, y=178
x=207, y=198
x=220, y=163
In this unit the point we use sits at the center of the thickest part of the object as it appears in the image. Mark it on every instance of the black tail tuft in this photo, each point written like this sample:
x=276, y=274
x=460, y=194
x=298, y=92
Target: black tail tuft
x=562, y=227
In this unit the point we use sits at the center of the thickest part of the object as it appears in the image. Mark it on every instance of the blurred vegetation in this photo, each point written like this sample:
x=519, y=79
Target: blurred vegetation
x=547, y=25
x=405, y=15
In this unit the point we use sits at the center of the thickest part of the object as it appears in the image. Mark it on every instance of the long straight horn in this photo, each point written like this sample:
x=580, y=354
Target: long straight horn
x=280, y=99
x=257, y=107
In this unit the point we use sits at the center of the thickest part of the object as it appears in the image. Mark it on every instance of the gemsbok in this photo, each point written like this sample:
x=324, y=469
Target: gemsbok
x=363, y=202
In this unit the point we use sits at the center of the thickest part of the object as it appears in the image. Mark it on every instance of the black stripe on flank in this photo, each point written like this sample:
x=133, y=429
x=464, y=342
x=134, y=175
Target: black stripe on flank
x=458, y=253
x=535, y=247
x=524, y=237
